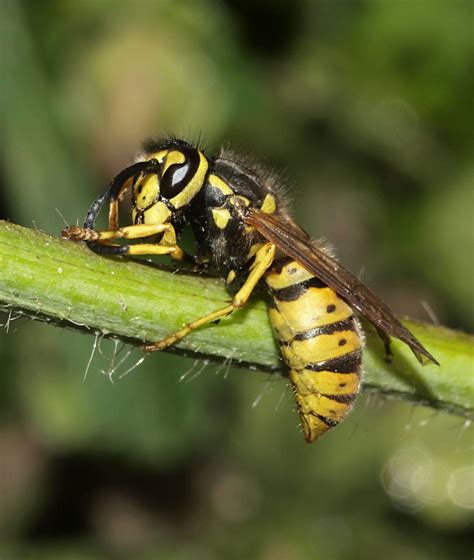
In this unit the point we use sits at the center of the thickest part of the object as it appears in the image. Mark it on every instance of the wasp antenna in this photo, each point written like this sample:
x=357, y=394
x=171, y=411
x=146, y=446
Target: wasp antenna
x=62, y=217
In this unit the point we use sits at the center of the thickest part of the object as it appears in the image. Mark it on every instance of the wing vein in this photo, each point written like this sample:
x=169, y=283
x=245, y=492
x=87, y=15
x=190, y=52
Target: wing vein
x=294, y=242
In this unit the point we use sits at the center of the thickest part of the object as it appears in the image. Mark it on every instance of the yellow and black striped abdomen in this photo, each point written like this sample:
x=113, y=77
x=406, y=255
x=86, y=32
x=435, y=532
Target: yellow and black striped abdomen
x=320, y=342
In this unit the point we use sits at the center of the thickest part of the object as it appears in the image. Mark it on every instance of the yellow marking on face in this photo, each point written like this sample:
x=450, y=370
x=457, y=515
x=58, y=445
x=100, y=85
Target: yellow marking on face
x=221, y=217
x=231, y=277
x=146, y=191
x=220, y=184
x=156, y=214
x=320, y=348
x=291, y=273
x=194, y=185
x=238, y=200
x=174, y=157
x=268, y=204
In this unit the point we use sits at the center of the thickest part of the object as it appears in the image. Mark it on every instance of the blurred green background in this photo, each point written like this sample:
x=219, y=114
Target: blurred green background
x=366, y=108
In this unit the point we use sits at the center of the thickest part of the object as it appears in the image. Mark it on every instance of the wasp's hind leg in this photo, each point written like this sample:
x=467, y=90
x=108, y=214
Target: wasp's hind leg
x=263, y=259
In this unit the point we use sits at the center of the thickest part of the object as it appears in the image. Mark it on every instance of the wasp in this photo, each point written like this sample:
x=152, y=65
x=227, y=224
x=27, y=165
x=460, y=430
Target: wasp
x=244, y=231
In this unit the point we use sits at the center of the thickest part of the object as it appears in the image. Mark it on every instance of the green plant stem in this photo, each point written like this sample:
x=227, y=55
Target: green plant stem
x=65, y=283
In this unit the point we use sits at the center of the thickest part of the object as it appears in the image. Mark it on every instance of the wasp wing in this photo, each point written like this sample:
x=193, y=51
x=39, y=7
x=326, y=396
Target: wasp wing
x=297, y=244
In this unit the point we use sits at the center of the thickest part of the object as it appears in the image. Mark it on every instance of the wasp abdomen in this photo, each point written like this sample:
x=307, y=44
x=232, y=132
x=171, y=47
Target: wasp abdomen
x=320, y=342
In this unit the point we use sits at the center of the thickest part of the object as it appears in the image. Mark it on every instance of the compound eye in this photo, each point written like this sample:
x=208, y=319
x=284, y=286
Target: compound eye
x=174, y=180
x=182, y=166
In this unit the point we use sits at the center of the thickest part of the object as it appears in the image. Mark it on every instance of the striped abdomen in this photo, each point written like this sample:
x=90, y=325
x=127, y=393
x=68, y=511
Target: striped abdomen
x=320, y=342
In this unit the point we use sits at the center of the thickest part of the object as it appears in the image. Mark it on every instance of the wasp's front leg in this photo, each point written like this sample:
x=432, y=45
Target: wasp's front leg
x=99, y=241
x=76, y=233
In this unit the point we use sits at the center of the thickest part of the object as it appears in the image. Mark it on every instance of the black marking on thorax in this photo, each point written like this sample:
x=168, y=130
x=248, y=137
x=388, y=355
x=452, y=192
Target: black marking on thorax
x=227, y=248
x=241, y=180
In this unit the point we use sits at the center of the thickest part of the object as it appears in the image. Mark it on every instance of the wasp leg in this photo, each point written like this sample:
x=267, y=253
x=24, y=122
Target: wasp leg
x=76, y=233
x=263, y=259
x=174, y=251
x=98, y=240
x=113, y=209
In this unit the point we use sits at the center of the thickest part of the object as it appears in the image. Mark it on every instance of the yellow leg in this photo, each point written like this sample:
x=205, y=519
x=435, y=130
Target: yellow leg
x=263, y=259
x=76, y=233
x=145, y=230
x=114, y=203
x=173, y=251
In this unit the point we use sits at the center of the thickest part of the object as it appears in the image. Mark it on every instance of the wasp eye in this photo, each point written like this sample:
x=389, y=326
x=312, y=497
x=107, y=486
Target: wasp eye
x=178, y=175
x=174, y=180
